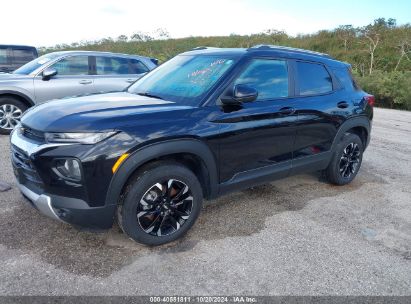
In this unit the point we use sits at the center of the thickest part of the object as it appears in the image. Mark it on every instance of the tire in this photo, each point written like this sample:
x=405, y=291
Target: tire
x=11, y=110
x=346, y=161
x=157, y=195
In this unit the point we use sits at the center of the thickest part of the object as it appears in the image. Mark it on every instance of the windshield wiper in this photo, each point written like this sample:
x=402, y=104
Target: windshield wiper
x=148, y=94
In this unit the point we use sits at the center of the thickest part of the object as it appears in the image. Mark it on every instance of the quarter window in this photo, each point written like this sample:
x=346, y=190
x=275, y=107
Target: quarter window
x=268, y=77
x=76, y=65
x=119, y=66
x=313, y=79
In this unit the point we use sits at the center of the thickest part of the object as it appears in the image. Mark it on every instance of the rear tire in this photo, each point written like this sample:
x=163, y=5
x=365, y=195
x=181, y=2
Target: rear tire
x=346, y=161
x=160, y=204
x=11, y=110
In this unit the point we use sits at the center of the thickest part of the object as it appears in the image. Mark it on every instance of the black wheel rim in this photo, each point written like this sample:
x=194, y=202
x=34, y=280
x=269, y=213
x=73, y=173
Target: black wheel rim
x=165, y=207
x=350, y=160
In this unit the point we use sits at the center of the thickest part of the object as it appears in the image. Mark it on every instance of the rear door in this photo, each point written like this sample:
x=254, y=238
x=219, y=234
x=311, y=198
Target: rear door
x=321, y=107
x=73, y=78
x=116, y=73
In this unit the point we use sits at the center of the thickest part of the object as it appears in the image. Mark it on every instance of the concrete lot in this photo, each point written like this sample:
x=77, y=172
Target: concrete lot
x=298, y=236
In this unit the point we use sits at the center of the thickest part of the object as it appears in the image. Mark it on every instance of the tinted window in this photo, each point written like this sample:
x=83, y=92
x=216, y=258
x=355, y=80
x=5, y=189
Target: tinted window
x=313, y=79
x=3, y=56
x=268, y=77
x=117, y=65
x=345, y=77
x=21, y=57
x=76, y=65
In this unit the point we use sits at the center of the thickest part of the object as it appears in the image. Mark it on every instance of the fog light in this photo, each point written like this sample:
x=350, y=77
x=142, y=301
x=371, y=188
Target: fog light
x=69, y=168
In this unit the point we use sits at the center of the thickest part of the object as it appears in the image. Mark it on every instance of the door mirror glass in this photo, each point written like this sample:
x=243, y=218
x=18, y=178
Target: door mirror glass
x=48, y=73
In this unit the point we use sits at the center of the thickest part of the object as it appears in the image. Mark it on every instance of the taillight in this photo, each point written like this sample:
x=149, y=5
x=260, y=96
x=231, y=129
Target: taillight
x=370, y=100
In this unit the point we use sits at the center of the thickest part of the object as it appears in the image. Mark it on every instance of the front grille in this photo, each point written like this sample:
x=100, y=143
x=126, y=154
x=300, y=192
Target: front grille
x=25, y=167
x=30, y=133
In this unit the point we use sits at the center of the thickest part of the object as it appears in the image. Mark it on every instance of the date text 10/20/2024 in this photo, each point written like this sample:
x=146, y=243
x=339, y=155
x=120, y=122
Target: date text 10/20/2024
x=205, y=299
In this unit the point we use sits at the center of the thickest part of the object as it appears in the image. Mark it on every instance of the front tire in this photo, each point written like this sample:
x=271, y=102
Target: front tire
x=11, y=111
x=346, y=161
x=160, y=204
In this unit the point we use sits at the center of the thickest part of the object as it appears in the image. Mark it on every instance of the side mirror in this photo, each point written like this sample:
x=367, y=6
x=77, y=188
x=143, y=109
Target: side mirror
x=48, y=73
x=241, y=93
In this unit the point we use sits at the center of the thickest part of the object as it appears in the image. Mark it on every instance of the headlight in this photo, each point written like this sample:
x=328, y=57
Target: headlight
x=79, y=138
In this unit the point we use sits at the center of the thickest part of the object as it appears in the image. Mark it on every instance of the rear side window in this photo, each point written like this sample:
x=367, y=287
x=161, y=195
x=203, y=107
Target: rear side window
x=21, y=56
x=119, y=66
x=76, y=65
x=313, y=79
x=345, y=77
x=268, y=77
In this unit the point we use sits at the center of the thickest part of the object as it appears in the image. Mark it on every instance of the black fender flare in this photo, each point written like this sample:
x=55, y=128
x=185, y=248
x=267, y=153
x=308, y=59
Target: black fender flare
x=156, y=150
x=362, y=121
x=24, y=96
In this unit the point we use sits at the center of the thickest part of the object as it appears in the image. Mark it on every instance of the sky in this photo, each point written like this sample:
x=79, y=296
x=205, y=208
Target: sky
x=51, y=22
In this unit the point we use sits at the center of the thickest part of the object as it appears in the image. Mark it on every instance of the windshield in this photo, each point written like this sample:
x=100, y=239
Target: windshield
x=35, y=64
x=183, y=79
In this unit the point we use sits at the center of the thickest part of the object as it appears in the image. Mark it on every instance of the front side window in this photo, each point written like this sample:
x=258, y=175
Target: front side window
x=184, y=79
x=75, y=65
x=268, y=77
x=313, y=79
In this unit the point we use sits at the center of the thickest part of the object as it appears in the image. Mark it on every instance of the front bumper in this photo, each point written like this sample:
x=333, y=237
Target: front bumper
x=62, y=205
x=41, y=202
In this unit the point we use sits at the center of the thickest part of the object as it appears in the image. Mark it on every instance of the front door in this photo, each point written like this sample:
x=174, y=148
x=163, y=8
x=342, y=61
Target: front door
x=257, y=138
x=73, y=78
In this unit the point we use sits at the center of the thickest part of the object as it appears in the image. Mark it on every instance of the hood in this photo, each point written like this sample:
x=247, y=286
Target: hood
x=100, y=112
x=6, y=77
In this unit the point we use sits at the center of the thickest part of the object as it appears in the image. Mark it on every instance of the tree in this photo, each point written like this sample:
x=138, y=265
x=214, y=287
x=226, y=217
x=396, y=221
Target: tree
x=404, y=45
x=346, y=33
x=122, y=38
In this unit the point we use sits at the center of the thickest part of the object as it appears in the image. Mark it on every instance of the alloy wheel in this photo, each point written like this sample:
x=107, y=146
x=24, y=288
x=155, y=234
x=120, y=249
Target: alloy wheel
x=165, y=207
x=9, y=116
x=350, y=160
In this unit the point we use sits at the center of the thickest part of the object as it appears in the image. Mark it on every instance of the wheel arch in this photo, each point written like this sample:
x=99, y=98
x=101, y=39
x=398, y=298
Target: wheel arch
x=185, y=151
x=359, y=125
x=18, y=95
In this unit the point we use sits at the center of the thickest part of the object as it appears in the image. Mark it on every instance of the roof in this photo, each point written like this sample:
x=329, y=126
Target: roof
x=96, y=53
x=270, y=50
x=16, y=46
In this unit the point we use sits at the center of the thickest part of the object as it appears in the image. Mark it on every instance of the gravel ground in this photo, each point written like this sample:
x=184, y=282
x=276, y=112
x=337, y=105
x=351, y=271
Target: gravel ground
x=297, y=236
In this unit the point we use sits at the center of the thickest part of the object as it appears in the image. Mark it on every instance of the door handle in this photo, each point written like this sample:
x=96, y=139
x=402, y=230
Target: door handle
x=342, y=104
x=287, y=111
x=85, y=82
x=130, y=80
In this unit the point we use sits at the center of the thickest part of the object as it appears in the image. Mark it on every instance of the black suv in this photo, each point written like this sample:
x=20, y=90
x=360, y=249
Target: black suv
x=205, y=123
x=14, y=56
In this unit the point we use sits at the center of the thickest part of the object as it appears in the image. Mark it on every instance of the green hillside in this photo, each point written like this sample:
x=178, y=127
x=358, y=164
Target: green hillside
x=380, y=53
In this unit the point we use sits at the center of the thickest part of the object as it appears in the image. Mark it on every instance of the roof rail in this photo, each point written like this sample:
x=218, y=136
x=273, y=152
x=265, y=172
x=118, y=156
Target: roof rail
x=285, y=48
x=203, y=48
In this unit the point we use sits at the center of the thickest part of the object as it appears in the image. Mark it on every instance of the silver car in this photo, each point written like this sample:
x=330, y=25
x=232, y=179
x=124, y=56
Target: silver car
x=63, y=74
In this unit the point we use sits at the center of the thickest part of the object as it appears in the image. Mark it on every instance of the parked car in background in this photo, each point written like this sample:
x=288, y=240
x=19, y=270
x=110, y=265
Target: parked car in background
x=14, y=56
x=62, y=74
x=205, y=123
